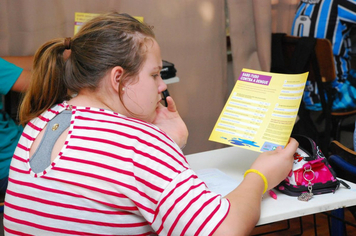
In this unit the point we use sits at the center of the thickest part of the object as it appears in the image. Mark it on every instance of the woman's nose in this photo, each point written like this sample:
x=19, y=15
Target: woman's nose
x=162, y=85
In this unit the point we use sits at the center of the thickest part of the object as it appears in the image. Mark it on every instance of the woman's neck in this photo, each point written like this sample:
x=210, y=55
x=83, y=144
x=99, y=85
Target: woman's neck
x=90, y=100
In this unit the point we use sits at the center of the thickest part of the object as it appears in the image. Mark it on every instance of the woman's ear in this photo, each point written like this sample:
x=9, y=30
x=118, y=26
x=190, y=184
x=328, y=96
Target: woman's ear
x=115, y=77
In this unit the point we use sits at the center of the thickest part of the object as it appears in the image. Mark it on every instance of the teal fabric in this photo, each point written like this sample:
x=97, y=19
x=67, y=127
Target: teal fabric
x=10, y=132
x=8, y=76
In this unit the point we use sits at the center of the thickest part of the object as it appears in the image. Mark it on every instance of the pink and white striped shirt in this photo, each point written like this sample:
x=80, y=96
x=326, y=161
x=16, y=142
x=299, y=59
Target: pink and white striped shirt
x=114, y=176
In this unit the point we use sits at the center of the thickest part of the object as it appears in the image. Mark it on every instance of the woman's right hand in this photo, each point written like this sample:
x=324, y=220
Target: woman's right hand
x=245, y=200
x=169, y=120
x=276, y=165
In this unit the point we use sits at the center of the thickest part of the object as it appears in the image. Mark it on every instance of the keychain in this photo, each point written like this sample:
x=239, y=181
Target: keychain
x=307, y=195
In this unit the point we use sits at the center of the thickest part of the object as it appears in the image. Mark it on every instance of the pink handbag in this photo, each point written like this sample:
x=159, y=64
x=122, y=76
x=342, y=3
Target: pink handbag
x=311, y=173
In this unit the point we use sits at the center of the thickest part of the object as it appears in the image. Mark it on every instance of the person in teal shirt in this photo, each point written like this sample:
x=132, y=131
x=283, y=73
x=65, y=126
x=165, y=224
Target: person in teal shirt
x=14, y=75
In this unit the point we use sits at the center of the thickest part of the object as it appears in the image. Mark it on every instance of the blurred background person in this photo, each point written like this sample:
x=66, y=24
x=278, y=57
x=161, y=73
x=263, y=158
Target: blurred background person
x=14, y=75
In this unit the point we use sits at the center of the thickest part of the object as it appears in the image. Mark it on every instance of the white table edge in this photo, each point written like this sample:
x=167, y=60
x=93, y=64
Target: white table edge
x=272, y=210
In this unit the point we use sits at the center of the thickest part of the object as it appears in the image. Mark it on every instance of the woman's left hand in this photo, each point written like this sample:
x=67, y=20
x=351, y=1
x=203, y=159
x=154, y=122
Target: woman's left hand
x=169, y=120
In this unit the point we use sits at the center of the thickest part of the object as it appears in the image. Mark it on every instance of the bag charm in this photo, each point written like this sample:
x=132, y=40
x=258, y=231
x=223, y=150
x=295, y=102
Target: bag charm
x=306, y=196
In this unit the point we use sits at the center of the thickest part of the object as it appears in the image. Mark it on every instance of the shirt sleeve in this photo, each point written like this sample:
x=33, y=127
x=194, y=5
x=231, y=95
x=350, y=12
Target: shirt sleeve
x=9, y=73
x=188, y=207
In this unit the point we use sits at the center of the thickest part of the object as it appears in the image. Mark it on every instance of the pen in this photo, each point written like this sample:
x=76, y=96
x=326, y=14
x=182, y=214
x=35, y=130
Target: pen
x=273, y=194
x=165, y=94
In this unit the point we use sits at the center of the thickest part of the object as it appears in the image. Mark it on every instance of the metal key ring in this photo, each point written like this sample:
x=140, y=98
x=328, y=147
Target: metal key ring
x=308, y=170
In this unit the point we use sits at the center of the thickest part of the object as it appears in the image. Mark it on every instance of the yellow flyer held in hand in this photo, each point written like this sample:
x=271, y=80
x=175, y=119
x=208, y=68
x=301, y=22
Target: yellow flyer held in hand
x=261, y=110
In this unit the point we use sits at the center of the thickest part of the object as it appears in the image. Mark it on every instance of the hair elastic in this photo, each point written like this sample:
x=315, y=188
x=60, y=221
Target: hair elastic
x=260, y=174
x=67, y=43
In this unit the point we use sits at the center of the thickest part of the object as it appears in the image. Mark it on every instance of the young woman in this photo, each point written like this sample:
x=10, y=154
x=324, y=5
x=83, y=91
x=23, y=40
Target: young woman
x=100, y=155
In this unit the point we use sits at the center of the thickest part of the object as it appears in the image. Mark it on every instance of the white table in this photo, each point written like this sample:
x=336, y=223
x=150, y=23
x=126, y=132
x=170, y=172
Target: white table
x=234, y=161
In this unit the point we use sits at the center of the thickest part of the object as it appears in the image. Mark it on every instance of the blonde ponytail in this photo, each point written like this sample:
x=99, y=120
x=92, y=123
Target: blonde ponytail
x=46, y=87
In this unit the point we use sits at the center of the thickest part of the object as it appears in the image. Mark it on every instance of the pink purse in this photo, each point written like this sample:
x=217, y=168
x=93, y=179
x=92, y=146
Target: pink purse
x=311, y=173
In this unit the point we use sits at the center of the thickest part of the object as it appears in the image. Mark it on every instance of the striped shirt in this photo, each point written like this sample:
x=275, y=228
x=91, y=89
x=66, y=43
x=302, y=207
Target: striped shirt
x=330, y=19
x=114, y=176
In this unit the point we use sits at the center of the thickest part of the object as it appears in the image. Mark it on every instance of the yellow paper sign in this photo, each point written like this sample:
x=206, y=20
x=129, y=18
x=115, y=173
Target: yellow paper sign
x=261, y=110
x=81, y=17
